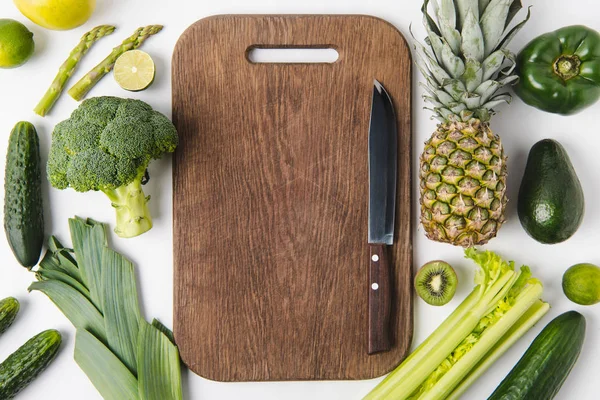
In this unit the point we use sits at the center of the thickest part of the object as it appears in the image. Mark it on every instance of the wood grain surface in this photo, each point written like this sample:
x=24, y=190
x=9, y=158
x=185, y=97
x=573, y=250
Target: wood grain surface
x=271, y=199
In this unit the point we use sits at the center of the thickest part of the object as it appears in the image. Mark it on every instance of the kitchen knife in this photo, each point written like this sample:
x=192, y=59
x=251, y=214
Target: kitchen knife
x=383, y=149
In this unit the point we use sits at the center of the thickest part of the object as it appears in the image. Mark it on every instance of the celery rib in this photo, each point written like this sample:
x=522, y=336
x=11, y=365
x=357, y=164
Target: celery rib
x=418, y=356
x=526, y=322
x=490, y=336
x=500, y=309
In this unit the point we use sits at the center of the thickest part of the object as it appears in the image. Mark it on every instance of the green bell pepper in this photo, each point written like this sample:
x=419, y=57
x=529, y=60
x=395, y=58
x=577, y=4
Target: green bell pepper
x=560, y=71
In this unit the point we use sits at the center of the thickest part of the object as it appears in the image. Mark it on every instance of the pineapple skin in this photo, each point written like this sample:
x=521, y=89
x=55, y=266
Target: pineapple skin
x=463, y=183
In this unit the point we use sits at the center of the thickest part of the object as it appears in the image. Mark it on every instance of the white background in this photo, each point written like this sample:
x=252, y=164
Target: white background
x=519, y=126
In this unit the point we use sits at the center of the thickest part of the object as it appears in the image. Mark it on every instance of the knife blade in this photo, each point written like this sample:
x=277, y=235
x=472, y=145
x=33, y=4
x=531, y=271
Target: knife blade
x=383, y=155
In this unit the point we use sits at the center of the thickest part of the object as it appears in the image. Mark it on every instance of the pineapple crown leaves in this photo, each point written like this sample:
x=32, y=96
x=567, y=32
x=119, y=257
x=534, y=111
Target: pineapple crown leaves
x=464, y=60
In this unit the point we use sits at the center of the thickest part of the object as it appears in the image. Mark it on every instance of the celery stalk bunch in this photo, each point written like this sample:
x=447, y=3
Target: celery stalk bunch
x=504, y=304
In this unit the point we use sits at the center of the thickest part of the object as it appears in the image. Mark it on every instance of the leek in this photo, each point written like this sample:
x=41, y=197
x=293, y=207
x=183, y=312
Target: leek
x=504, y=304
x=124, y=357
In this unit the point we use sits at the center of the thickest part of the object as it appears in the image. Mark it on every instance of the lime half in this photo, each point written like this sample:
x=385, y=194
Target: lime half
x=134, y=70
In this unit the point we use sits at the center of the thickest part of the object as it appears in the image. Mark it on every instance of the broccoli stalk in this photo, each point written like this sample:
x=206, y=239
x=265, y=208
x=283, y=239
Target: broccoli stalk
x=131, y=204
x=106, y=145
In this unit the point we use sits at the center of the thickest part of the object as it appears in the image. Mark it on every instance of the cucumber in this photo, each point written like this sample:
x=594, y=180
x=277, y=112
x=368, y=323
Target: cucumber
x=9, y=308
x=542, y=370
x=25, y=364
x=23, y=208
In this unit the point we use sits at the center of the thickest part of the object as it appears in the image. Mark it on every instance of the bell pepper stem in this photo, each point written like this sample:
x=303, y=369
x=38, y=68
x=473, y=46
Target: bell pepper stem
x=567, y=66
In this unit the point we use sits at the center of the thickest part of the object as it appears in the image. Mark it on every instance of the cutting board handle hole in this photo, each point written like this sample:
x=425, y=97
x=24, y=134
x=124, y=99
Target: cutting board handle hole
x=292, y=55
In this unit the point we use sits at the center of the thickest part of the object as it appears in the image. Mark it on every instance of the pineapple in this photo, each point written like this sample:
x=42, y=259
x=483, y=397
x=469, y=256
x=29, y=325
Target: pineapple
x=465, y=63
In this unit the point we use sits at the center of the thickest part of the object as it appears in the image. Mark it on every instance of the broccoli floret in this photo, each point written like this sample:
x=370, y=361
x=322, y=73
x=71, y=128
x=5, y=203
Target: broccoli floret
x=130, y=138
x=92, y=168
x=58, y=162
x=106, y=145
x=97, y=110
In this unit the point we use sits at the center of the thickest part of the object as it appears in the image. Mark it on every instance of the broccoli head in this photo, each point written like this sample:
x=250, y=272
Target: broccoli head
x=106, y=145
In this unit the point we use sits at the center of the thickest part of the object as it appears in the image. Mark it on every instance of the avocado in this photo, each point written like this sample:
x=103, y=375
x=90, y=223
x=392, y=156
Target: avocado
x=551, y=204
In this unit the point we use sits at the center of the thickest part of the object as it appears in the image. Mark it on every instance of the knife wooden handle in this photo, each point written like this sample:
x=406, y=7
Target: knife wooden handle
x=380, y=301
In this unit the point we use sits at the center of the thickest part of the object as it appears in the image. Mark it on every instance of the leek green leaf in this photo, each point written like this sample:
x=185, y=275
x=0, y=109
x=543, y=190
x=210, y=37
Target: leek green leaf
x=106, y=372
x=68, y=264
x=120, y=305
x=168, y=333
x=49, y=275
x=74, y=305
x=54, y=244
x=89, y=241
x=125, y=357
x=59, y=259
x=159, y=375
x=51, y=262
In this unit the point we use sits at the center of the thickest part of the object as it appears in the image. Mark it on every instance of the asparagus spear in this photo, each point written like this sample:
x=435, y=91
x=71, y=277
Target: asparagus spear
x=68, y=67
x=85, y=84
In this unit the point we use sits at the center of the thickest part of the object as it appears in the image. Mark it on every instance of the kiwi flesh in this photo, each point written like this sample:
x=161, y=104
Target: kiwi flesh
x=436, y=283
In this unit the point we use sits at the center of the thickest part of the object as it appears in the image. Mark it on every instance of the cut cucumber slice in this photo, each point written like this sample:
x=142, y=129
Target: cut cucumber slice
x=134, y=70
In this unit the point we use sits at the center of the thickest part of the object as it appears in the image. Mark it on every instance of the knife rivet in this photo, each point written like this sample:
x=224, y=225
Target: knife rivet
x=375, y=286
x=375, y=257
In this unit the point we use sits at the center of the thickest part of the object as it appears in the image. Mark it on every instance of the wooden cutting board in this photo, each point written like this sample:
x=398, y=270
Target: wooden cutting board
x=271, y=198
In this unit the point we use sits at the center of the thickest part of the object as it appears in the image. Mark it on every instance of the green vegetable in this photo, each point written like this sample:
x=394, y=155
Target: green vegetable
x=23, y=208
x=551, y=203
x=503, y=305
x=25, y=364
x=106, y=145
x=122, y=355
x=108, y=374
x=560, y=71
x=85, y=84
x=581, y=284
x=158, y=380
x=545, y=366
x=523, y=325
x=168, y=333
x=9, y=308
x=68, y=67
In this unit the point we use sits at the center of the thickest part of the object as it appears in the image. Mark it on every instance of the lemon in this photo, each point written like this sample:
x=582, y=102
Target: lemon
x=16, y=43
x=134, y=70
x=57, y=14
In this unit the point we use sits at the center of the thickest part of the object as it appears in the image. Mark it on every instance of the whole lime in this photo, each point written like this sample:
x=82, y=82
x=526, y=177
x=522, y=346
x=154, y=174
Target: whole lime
x=16, y=43
x=581, y=284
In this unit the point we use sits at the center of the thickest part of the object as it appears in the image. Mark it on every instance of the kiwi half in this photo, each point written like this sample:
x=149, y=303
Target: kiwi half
x=436, y=283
